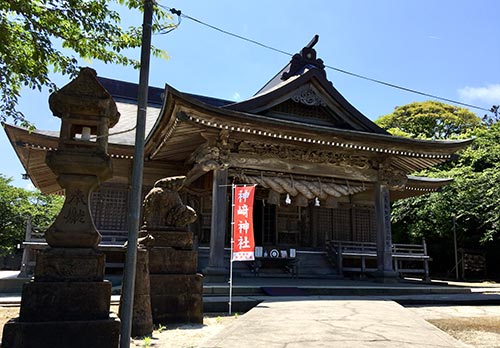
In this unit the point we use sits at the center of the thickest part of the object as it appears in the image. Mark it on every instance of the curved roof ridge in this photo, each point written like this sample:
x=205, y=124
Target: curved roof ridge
x=239, y=115
x=306, y=69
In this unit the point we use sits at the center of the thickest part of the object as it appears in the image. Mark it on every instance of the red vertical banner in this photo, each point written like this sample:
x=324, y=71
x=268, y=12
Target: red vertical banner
x=243, y=240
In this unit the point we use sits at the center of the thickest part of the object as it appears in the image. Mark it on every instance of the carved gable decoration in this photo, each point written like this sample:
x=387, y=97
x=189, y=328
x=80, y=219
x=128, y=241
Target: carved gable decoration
x=308, y=96
x=307, y=105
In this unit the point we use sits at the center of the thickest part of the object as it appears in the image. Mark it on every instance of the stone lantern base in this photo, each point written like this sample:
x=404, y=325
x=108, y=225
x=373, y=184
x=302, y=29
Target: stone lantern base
x=176, y=288
x=67, y=304
x=59, y=334
x=177, y=298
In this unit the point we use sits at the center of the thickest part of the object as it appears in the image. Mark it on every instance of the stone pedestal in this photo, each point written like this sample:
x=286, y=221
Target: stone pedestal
x=67, y=304
x=177, y=298
x=176, y=288
x=142, y=320
x=59, y=334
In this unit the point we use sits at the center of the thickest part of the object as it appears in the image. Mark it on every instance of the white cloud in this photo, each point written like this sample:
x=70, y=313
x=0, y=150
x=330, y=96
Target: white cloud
x=236, y=96
x=29, y=186
x=489, y=94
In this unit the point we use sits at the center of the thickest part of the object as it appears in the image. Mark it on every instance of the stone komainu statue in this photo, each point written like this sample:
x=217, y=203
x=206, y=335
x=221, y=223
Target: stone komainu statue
x=163, y=207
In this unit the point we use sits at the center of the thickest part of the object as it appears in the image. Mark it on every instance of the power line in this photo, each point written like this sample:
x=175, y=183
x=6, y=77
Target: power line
x=406, y=89
x=179, y=13
x=388, y=84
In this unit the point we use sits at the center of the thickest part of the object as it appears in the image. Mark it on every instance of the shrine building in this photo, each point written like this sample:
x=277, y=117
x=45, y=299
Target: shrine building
x=323, y=171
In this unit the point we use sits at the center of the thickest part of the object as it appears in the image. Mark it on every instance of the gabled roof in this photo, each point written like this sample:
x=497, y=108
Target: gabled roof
x=183, y=119
x=125, y=95
x=127, y=91
x=31, y=148
x=299, y=110
x=302, y=86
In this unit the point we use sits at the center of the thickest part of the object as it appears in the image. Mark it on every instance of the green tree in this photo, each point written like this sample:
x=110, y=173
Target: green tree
x=16, y=204
x=473, y=198
x=474, y=195
x=430, y=120
x=43, y=35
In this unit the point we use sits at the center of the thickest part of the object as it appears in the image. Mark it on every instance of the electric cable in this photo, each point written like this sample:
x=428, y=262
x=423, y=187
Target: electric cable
x=169, y=28
x=388, y=84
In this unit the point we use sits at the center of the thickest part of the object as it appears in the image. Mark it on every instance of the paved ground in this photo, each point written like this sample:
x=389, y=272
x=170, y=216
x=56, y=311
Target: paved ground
x=325, y=323
x=340, y=321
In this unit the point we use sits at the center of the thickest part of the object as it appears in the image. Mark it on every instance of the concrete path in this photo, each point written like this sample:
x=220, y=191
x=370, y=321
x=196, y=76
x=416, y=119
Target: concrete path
x=309, y=323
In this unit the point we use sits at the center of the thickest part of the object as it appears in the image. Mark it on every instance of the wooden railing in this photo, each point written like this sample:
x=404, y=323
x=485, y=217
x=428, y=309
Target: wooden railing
x=407, y=258
x=34, y=241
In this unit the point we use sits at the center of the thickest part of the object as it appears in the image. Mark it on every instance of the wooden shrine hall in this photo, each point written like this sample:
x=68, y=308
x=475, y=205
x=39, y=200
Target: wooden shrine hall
x=324, y=172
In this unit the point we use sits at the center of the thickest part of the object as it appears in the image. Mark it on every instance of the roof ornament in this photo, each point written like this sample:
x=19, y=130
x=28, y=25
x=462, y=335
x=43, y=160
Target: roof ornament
x=307, y=96
x=305, y=59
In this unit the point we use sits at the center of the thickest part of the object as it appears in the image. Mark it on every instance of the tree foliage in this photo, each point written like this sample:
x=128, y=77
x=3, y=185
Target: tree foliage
x=473, y=198
x=429, y=120
x=16, y=205
x=40, y=36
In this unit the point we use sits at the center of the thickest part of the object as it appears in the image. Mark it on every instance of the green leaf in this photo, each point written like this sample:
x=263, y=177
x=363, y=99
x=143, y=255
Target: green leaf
x=89, y=30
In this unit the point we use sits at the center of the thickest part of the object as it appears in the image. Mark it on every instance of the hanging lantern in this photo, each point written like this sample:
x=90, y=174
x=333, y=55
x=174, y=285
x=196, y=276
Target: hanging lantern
x=301, y=201
x=273, y=198
x=331, y=202
x=288, y=200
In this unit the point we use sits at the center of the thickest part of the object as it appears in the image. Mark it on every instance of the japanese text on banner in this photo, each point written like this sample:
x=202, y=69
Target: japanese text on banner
x=244, y=245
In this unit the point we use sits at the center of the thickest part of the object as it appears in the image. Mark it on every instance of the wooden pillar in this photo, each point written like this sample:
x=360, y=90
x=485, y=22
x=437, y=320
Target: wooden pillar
x=385, y=271
x=217, y=269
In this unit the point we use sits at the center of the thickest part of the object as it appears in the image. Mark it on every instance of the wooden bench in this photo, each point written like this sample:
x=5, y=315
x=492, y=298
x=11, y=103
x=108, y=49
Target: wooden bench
x=361, y=251
x=403, y=256
x=406, y=254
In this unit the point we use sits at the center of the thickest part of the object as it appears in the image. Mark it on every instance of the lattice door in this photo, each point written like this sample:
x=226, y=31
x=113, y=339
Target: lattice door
x=341, y=224
x=364, y=225
x=109, y=208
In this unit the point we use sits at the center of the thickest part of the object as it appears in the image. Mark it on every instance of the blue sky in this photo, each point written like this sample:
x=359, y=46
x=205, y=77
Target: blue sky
x=446, y=48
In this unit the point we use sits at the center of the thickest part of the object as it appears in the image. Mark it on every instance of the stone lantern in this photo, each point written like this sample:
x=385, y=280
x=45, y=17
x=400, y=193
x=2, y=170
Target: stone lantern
x=67, y=304
x=81, y=162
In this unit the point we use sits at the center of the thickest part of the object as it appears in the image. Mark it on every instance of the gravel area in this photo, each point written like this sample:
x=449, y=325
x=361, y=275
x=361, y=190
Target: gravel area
x=477, y=326
x=179, y=336
x=186, y=336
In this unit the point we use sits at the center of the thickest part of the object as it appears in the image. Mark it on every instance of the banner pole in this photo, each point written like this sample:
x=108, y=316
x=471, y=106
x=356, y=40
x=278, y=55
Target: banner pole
x=231, y=254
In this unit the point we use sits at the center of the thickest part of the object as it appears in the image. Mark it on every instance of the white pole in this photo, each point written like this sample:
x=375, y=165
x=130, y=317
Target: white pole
x=231, y=254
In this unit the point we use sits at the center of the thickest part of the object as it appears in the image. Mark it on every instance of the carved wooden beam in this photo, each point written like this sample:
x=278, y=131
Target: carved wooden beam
x=257, y=162
x=309, y=188
x=199, y=170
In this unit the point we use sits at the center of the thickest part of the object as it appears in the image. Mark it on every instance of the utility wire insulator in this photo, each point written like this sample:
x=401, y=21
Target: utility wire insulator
x=176, y=12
